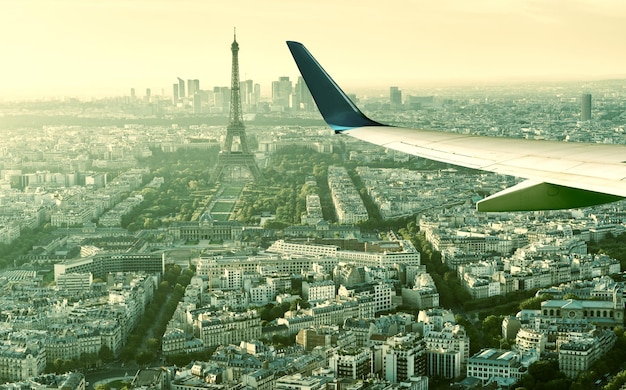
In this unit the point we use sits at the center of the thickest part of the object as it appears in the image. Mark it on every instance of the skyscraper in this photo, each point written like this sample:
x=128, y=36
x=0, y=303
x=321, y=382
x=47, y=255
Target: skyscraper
x=193, y=86
x=281, y=92
x=302, y=99
x=247, y=94
x=585, y=107
x=197, y=103
x=181, y=88
x=395, y=96
x=175, y=93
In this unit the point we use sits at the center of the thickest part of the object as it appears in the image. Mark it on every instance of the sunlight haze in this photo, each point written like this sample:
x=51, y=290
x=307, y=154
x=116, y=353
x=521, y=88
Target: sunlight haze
x=102, y=48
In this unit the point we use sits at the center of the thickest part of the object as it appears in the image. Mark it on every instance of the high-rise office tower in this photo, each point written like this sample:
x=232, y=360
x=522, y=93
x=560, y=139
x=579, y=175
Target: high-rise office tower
x=585, y=107
x=175, y=93
x=281, y=92
x=231, y=161
x=395, y=96
x=302, y=99
x=132, y=93
x=197, y=103
x=181, y=88
x=257, y=93
x=148, y=94
x=221, y=97
x=247, y=94
x=193, y=86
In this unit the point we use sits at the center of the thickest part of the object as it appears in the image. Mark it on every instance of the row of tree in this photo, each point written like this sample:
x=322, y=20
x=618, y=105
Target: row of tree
x=186, y=176
x=283, y=191
x=144, y=343
x=13, y=254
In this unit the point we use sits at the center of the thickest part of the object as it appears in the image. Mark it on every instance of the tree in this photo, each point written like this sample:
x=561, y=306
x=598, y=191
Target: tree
x=106, y=354
x=533, y=303
x=543, y=370
x=153, y=344
x=492, y=324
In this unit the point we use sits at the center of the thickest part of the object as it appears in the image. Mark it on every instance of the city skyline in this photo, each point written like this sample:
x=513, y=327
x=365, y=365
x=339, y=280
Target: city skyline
x=89, y=48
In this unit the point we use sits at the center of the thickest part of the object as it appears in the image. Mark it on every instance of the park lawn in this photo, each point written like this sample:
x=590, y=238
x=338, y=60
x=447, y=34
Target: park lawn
x=223, y=207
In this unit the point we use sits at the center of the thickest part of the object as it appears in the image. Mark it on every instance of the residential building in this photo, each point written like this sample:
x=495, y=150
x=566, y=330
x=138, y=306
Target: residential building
x=351, y=362
x=318, y=291
x=19, y=363
x=495, y=364
x=404, y=357
x=223, y=328
x=301, y=382
x=580, y=352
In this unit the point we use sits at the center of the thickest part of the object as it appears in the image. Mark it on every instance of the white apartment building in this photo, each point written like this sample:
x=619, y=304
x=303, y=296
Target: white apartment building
x=300, y=382
x=223, y=328
x=381, y=293
x=232, y=279
x=528, y=339
x=73, y=216
x=318, y=291
x=451, y=338
x=18, y=363
x=442, y=363
x=580, y=352
x=404, y=356
x=75, y=283
x=380, y=259
x=9, y=231
x=355, y=363
x=262, y=294
x=173, y=341
x=496, y=364
x=282, y=246
x=71, y=343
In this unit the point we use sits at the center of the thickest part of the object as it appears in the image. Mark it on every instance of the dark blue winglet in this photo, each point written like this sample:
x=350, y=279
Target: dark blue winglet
x=337, y=109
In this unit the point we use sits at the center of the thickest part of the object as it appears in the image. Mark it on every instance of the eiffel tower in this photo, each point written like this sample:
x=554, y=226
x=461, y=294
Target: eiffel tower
x=229, y=162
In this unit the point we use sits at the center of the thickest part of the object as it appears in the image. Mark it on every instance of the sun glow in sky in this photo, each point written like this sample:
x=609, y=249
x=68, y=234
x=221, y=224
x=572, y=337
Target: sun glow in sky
x=106, y=47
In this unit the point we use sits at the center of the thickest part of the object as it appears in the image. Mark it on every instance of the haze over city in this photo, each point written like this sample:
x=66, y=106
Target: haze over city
x=92, y=48
x=179, y=210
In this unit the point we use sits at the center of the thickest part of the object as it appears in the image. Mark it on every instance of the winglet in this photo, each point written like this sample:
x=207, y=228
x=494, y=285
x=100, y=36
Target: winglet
x=337, y=109
x=532, y=196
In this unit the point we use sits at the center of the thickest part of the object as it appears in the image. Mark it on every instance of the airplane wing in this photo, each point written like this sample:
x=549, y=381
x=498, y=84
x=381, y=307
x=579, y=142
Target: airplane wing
x=560, y=175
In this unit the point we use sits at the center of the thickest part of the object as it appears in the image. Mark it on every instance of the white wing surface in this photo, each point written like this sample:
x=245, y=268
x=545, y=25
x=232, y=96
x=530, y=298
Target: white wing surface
x=560, y=174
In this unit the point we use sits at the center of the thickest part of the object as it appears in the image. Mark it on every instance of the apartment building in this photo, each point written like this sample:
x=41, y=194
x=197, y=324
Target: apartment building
x=404, y=356
x=19, y=363
x=223, y=328
x=353, y=362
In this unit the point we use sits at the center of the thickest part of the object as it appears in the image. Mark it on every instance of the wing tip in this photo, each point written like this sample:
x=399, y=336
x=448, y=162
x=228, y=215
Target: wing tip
x=339, y=112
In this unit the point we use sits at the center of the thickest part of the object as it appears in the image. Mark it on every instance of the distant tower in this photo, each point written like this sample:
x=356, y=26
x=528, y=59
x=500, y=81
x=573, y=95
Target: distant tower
x=585, y=107
x=229, y=160
x=302, y=99
x=197, y=103
x=247, y=94
x=395, y=96
x=193, y=86
x=132, y=93
x=181, y=88
x=175, y=93
x=148, y=94
x=281, y=92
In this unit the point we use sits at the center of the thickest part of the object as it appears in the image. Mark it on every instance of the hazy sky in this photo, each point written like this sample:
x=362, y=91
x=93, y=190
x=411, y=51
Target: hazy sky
x=105, y=47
